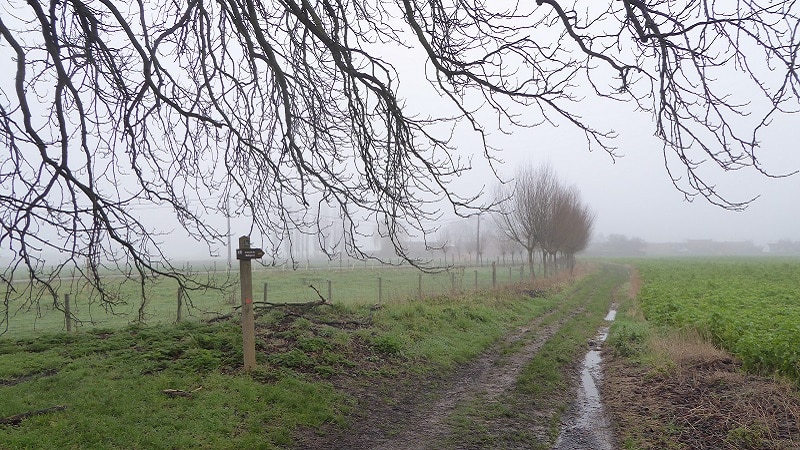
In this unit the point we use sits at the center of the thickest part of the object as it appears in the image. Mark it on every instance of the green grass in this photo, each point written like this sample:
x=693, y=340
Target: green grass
x=111, y=384
x=111, y=379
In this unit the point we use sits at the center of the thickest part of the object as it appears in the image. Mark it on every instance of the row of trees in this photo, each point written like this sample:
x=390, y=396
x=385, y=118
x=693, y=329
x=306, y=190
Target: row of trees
x=540, y=212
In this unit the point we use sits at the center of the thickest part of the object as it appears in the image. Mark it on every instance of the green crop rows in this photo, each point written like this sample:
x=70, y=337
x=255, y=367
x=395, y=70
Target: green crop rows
x=749, y=306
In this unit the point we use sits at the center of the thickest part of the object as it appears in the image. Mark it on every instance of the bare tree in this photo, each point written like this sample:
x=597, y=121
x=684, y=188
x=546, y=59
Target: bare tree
x=109, y=106
x=569, y=229
x=525, y=208
x=541, y=213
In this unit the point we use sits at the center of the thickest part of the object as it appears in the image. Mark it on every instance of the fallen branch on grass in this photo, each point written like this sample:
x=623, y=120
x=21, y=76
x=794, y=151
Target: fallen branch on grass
x=18, y=418
x=179, y=392
x=265, y=305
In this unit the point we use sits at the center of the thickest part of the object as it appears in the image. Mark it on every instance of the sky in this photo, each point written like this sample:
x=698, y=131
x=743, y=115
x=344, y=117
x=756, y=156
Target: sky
x=633, y=194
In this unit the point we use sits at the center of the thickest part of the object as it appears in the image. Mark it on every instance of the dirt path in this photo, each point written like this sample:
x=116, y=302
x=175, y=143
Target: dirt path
x=409, y=413
x=488, y=376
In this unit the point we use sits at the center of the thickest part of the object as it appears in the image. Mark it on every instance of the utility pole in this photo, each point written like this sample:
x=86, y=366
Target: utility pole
x=228, y=215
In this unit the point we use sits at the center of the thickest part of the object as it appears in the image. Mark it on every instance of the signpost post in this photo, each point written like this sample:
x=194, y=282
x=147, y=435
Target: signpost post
x=244, y=254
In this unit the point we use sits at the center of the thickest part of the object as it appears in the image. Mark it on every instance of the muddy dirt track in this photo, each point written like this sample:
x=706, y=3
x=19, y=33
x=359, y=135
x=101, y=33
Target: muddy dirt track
x=412, y=413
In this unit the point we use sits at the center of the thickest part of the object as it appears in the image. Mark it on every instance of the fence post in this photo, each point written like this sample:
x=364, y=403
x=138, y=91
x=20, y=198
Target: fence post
x=67, y=316
x=494, y=275
x=522, y=272
x=510, y=276
x=265, y=292
x=380, y=290
x=419, y=286
x=180, y=303
x=330, y=292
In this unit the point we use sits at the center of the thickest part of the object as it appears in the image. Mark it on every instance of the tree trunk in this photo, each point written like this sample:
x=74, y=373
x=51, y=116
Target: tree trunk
x=530, y=263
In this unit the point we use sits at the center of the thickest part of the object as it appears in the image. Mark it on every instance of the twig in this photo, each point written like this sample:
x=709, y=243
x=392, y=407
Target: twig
x=18, y=418
x=179, y=392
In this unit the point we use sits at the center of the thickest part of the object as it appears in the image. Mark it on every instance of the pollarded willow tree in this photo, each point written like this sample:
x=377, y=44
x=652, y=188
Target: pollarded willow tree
x=569, y=229
x=108, y=108
x=540, y=213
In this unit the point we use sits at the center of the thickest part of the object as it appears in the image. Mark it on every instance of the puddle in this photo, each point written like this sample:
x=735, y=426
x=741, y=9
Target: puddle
x=587, y=426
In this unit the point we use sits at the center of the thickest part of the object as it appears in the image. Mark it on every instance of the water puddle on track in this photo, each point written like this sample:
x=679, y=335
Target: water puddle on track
x=587, y=427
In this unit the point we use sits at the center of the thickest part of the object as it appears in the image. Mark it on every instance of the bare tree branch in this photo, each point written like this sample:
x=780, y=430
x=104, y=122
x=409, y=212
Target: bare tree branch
x=290, y=107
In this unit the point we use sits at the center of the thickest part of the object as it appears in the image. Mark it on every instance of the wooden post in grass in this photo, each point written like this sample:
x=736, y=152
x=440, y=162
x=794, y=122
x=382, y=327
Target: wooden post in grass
x=380, y=290
x=180, y=303
x=419, y=286
x=330, y=292
x=522, y=272
x=265, y=292
x=244, y=254
x=67, y=316
x=494, y=275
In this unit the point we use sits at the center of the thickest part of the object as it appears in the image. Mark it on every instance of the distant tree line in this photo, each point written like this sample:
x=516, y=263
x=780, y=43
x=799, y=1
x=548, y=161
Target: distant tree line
x=540, y=213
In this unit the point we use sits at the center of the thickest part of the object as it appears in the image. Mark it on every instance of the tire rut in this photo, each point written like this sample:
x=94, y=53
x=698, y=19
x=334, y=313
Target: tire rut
x=489, y=376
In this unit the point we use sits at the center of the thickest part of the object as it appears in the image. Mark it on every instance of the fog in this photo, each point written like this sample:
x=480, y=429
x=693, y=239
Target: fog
x=634, y=195
x=631, y=193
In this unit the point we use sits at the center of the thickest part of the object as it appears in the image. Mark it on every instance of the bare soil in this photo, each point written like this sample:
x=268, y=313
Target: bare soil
x=413, y=411
x=704, y=402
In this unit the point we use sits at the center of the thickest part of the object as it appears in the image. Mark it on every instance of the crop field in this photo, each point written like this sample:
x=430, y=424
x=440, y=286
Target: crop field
x=352, y=284
x=751, y=307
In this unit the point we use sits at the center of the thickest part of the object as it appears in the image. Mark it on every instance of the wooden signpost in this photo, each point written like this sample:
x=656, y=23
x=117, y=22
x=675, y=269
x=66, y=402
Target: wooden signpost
x=244, y=254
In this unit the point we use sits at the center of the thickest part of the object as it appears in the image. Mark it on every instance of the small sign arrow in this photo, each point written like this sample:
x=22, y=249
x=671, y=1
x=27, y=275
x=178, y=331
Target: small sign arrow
x=249, y=253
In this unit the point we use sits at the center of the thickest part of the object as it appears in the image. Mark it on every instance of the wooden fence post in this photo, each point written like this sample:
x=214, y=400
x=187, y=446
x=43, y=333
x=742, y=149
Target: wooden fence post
x=67, y=315
x=419, y=286
x=330, y=292
x=180, y=303
x=380, y=290
x=494, y=275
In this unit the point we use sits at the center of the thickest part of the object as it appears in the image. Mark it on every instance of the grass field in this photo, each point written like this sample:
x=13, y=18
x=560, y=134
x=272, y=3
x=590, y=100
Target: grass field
x=750, y=307
x=111, y=383
x=353, y=284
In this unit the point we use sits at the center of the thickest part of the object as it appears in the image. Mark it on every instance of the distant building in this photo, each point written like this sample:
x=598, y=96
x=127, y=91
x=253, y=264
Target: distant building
x=784, y=247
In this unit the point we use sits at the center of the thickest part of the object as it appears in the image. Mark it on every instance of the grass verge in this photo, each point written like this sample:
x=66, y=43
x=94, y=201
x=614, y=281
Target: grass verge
x=670, y=388
x=112, y=382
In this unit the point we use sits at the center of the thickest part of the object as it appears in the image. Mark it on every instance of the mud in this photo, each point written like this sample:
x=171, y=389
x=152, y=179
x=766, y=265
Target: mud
x=587, y=426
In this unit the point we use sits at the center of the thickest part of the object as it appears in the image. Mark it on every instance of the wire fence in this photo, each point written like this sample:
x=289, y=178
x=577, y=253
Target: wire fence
x=77, y=307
